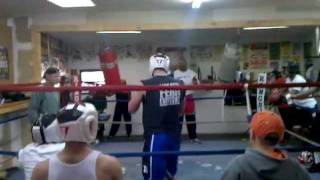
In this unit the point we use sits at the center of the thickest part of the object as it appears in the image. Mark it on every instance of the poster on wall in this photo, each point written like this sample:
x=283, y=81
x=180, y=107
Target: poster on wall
x=139, y=51
x=4, y=64
x=124, y=51
x=286, y=49
x=297, y=52
x=258, y=56
x=144, y=51
x=201, y=53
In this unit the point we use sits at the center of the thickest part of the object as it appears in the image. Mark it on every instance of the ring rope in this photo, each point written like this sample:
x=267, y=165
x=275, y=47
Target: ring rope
x=184, y=153
x=13, y=119
x=8, y=153
x=197, y=122
x=201, y=153
x=303, y=138
x=116, y=88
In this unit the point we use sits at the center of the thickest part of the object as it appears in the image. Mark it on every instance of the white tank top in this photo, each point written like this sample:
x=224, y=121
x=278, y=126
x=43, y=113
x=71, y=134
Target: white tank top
x=187, y=77
x=85, y=169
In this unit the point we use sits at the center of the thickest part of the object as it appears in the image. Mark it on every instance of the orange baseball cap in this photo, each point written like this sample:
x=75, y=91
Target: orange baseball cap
x=267, y=122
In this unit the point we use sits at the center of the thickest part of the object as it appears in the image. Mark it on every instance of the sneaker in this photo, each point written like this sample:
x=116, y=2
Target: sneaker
x=124, y=170
x=100, y=138
x=96, y=141
x=196, y=140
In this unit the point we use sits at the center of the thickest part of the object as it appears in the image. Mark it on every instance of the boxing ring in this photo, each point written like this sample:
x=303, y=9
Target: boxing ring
x=206, y=160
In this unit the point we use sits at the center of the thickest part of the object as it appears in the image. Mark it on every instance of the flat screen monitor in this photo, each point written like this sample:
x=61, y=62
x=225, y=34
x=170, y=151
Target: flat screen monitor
x=92, y=77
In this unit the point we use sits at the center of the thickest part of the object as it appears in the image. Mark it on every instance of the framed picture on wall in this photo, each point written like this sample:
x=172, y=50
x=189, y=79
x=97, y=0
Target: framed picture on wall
x=4, y=64
x=201, y=52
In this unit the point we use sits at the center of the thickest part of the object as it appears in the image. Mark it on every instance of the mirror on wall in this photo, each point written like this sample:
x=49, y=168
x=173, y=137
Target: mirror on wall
x=215, y=54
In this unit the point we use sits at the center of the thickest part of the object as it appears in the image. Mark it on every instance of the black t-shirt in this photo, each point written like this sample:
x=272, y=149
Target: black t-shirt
x=161, y=108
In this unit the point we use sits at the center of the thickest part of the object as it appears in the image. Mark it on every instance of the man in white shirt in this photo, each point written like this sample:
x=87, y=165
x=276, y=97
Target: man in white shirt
x=301, y=111
x=294, y=77
x=314, y=76
x=188, y=77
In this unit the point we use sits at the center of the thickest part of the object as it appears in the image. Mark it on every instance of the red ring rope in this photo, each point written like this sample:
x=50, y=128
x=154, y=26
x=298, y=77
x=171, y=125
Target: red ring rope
x=220, y=86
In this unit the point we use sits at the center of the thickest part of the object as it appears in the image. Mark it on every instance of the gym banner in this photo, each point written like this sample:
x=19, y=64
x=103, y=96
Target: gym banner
x=4, y=64
x=286, y=51
x=259, y=56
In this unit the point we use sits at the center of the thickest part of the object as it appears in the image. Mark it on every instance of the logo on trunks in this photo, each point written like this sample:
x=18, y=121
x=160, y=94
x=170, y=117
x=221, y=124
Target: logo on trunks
x=169, y=97
x=145, y=169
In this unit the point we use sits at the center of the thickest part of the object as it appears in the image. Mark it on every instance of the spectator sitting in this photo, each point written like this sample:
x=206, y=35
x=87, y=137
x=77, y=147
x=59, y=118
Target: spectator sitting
x=263, y=160
x=295, y=77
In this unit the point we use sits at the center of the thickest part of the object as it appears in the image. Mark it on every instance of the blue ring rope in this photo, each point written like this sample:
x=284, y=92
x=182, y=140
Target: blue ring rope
x=13, y=119
x=184, y=153
x=8, y=153
x=201, y=153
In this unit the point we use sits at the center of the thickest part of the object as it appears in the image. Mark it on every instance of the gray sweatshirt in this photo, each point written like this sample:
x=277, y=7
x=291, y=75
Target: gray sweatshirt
x=43, y=103
x=253, y=165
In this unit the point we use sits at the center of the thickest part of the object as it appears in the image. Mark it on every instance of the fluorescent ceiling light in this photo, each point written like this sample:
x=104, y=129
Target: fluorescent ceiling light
x=266, y=27
x=120, y=32
x=73, y=3
x=195, y=3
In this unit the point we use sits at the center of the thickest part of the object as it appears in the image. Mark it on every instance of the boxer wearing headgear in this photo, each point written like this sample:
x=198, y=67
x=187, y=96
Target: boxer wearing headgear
x=78, y=122
x=47, y=141
x=46, y=130
x=159, y=61
x=160, y=119
x=78, y=127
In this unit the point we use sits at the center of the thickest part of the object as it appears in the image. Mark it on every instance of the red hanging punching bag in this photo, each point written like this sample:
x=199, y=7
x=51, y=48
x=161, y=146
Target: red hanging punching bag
x=109, y=66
